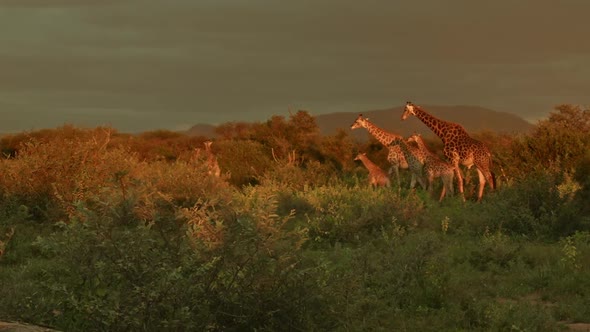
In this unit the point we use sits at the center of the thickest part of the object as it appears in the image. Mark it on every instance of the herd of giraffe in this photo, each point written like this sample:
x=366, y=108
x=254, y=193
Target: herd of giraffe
x=459, y=149
x=413, y=154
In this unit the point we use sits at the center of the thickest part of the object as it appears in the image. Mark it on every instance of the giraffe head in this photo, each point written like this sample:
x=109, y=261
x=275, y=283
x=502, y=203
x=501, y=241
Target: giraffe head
x=410, y=109
x=414, y=137
x=360, y=122
x=207, y=145
x=358, y=156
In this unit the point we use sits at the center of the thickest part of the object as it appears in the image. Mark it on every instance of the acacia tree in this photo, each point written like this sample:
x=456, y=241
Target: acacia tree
x=559, y=142
x=338, y=150
x=300, y=134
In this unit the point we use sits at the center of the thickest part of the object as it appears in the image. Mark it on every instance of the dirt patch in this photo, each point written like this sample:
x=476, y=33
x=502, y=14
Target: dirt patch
x=578, y=326
x=18, y=327
x=533, y=298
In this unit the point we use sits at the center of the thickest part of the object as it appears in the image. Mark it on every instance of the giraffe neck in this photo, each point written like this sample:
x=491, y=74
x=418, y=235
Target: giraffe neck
x=435, y=124
x=384, y=137
x=403, y=146
x=421, y=145
x=368, y=164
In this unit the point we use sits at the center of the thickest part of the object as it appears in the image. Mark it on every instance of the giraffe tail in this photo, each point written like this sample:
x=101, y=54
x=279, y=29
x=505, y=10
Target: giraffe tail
x=494, y=185
x=493, y=180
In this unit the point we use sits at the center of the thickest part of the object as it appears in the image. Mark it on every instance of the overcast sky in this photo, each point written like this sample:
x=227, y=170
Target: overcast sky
x=141, y=65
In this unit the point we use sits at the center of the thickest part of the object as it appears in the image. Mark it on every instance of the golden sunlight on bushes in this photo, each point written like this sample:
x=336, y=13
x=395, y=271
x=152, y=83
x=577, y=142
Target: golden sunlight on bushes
x=84, y=171
x=132, y=233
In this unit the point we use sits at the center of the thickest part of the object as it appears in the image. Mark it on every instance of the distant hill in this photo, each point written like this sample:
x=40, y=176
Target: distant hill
x=474, y=119
x=202, y=129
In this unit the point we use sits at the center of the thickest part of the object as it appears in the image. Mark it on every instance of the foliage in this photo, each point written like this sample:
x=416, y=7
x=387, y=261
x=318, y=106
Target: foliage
x=354, y=214
x=102, y=231
x=559, y=142
x=149, y=276
x=540, y=205
x=300, y=134
x=338, y=151
x=243, y=160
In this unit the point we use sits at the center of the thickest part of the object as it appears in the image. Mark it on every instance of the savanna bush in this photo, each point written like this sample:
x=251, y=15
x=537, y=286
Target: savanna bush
x=163, y=145
x=52, y=176
x=243, y=161
x=351, y=214
x=557, y=144
x=139, y=276
x=495, y=251
x=55, y=176
x=299, y=177
x=384, y=282
x=182, y=183
x=539, y=205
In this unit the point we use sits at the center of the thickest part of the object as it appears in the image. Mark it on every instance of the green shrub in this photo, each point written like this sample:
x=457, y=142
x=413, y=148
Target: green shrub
x=245, y=161
x=353, y=214
x=496, y=251
x=104, y=275
x=540, y=205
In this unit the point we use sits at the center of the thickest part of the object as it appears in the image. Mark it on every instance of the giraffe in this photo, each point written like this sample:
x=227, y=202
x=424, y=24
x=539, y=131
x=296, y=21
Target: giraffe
x=459, y=148
x=377, y=177
x=395, y=156
x=415, y=159
x=435, y=167
x=212, y=160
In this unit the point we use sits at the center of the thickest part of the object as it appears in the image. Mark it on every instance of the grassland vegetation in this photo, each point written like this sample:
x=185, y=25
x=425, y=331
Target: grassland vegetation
x=106, y=231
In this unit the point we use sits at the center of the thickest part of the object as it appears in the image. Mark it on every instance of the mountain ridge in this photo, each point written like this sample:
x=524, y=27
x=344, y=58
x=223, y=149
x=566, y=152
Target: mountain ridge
x=473, y=118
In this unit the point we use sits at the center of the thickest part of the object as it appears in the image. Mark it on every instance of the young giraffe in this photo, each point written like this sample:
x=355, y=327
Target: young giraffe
x=395, y=156
x=434, y=167
x=377, y=177
x=212, y=160
x=459, y=147
x=415, y=158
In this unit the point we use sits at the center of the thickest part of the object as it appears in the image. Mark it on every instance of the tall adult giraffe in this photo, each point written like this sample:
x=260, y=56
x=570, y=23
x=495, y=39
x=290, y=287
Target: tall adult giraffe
x=459, y=148
x=395, y=155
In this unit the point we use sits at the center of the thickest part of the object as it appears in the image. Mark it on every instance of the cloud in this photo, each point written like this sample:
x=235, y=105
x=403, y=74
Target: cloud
x=223, y=60
x=55, y=3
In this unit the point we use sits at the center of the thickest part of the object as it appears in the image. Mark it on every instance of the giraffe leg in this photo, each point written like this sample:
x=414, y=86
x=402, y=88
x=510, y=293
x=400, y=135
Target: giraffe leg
x=442, y=193
x=447, y=180
x=467, y=176
x=450, y=183
x=421, y=182
x=459, y=180
x=491, y=179
x=482, y=183
x=399, y=184
x=469, y=187
x=413, y=181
